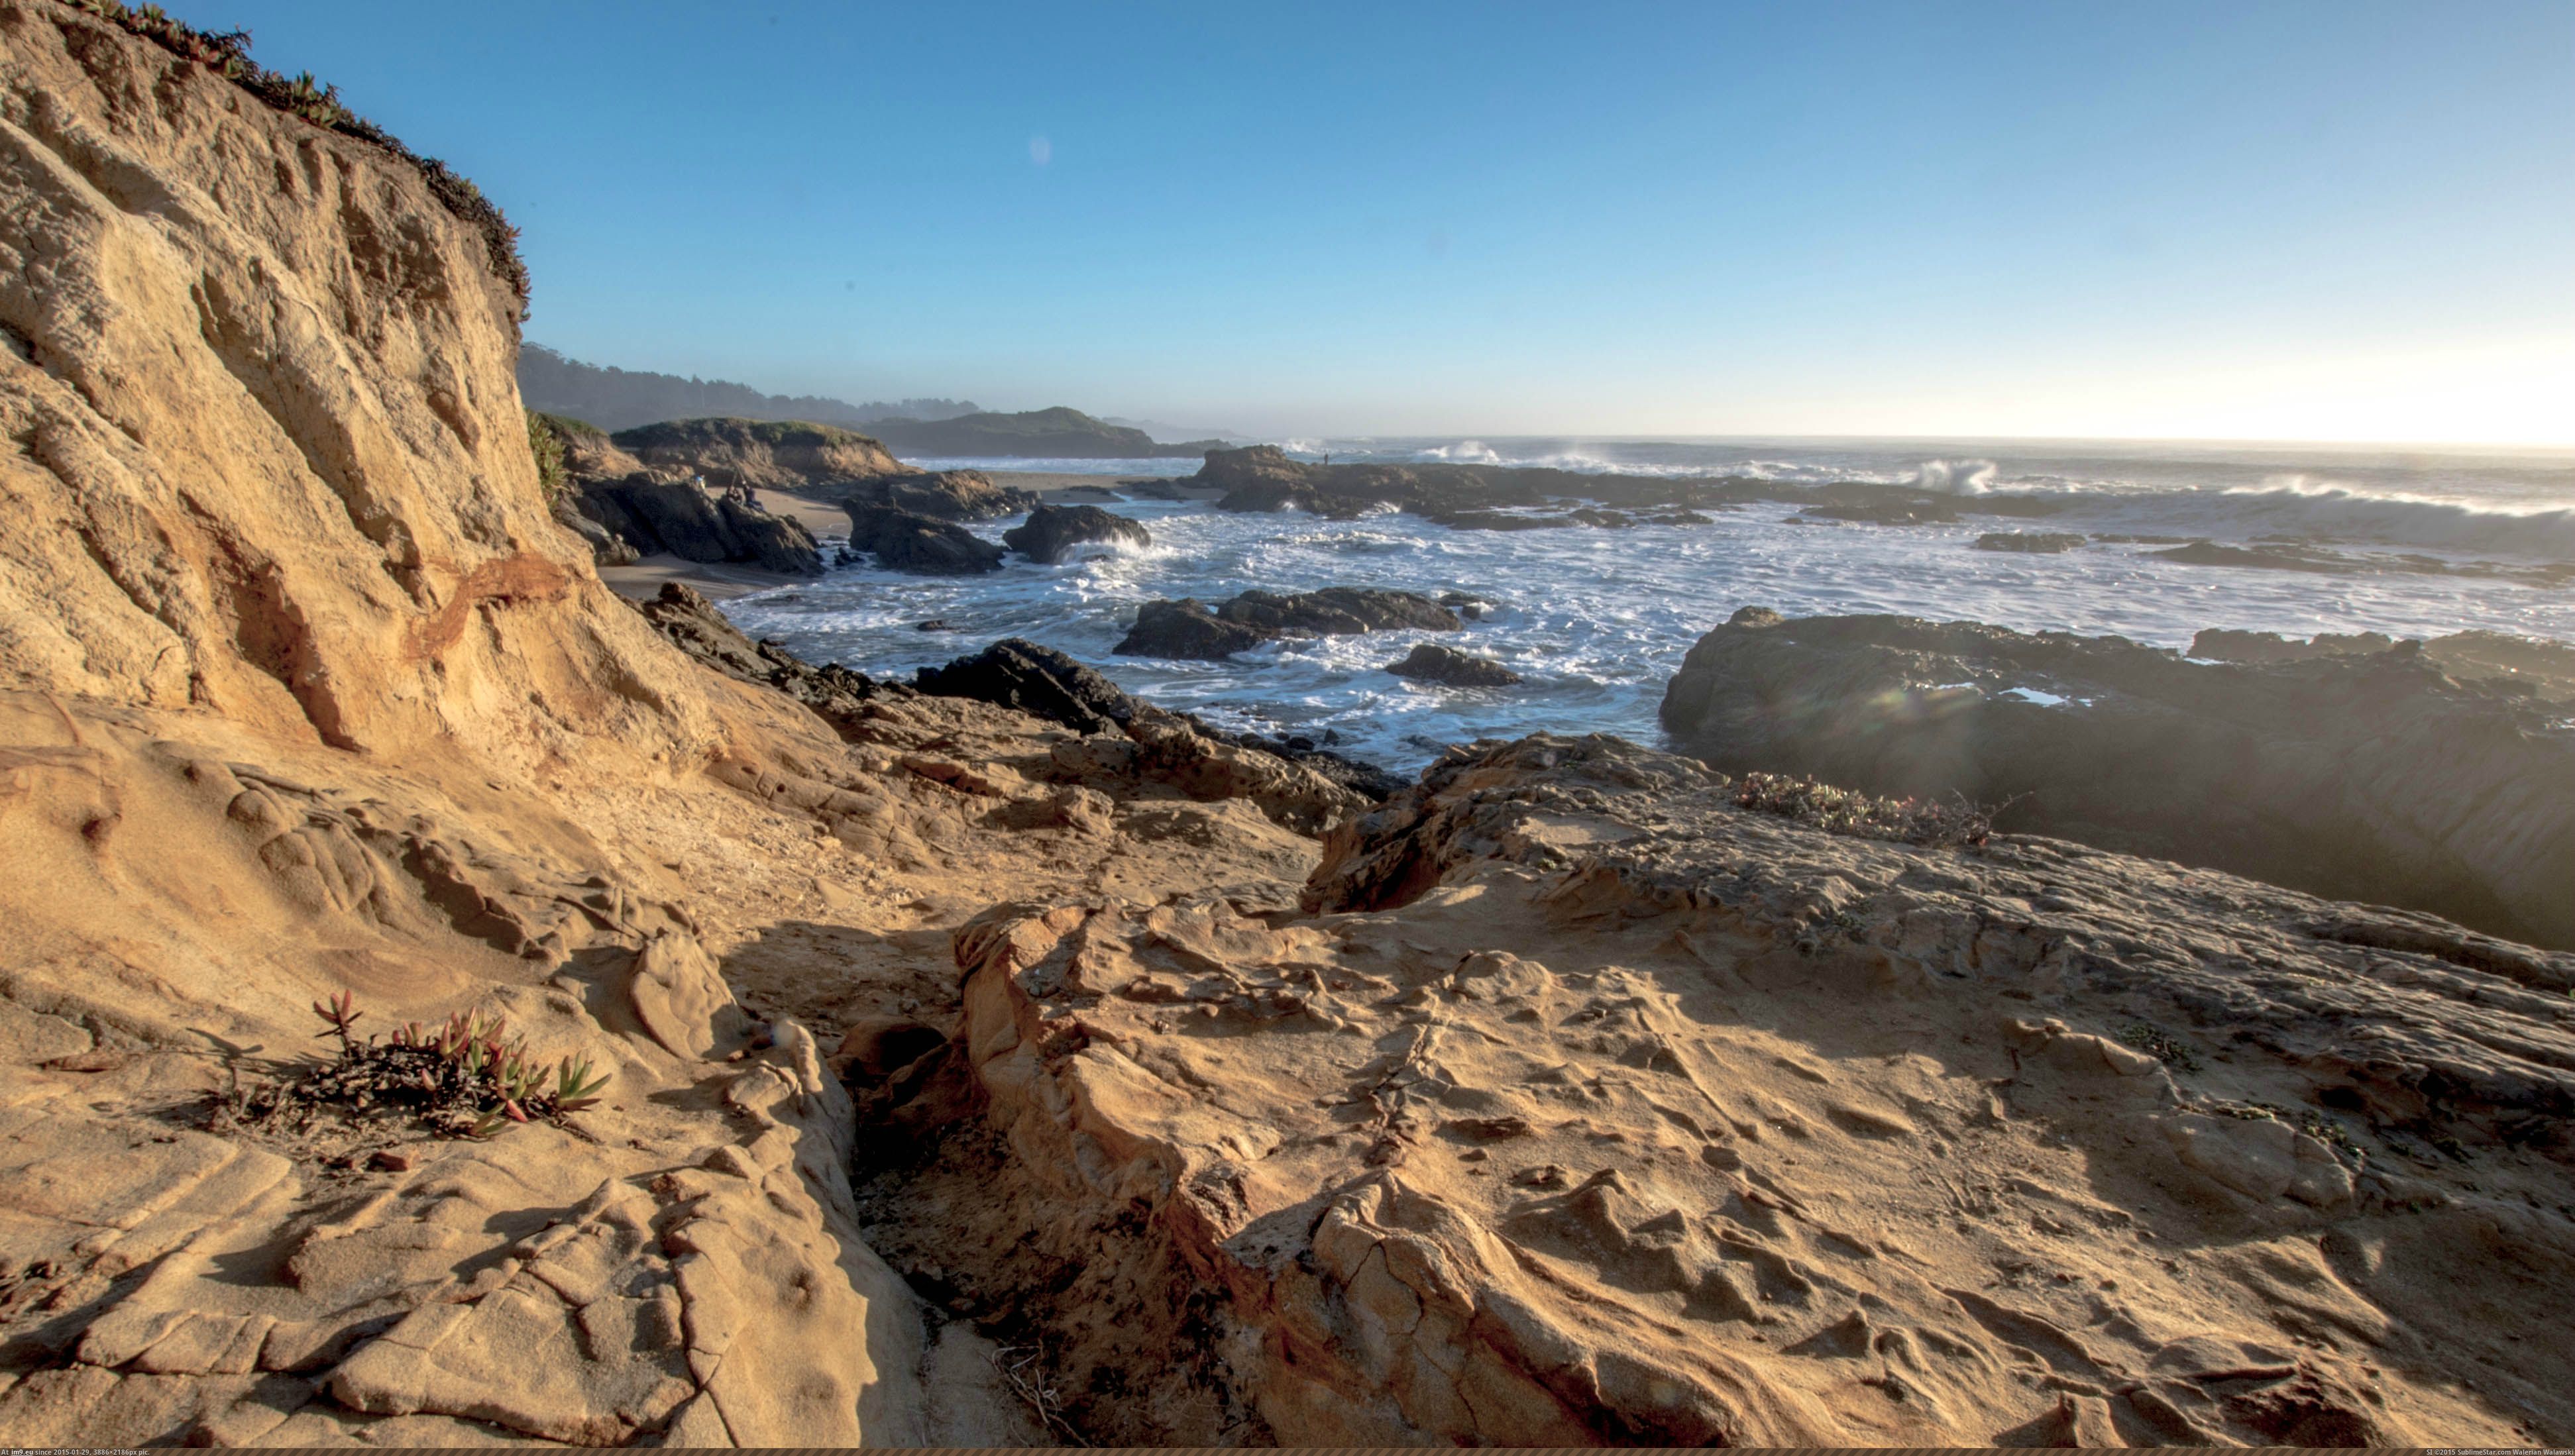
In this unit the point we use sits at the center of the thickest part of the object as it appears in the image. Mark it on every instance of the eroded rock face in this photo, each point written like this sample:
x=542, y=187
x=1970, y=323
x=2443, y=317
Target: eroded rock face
x=299, y=687
x=1052, y=531
x=2374, y=777
x=901, y=541
x=1595, y=1109
x=267, y=457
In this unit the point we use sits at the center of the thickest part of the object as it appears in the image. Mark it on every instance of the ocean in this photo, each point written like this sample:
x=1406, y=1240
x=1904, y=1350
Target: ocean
x=1598, y=619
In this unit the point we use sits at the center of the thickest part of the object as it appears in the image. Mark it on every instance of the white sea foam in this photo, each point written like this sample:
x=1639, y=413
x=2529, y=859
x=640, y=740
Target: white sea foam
x=1597, y=621
x=1954, y=476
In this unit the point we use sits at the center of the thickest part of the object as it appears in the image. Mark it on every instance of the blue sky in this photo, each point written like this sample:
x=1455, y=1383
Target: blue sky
x=2285, y=221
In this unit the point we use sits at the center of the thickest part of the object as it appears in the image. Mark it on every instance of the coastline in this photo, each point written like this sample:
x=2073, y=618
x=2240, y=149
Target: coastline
x=718, y=582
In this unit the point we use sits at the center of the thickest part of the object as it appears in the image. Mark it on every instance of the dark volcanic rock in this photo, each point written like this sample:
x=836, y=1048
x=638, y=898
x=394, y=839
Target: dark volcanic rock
x=676, y=516
x=2518, y=665
x=2372, y=777
x=1050, y=531
x=2029, y=540
x=1890, y=513
x=1039, y=681
x=655, y=515
x=1430, y=662
x=772, y=543
x=906, y=542
x=606, y=548
x=692, y=624
x=1189, y=629
x=1047, y=684
x=1337, y=612
x=1186, y=628
x=2218, y=644
x=949, y=495
x=2278, y=558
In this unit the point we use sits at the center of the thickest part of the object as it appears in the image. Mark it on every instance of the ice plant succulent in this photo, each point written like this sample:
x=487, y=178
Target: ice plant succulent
x=466, y=1076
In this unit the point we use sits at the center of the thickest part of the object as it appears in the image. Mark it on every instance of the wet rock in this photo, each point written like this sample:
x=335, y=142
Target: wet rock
x=1189, y=629
x=2223, y=646
x=1034, y=679
x=1052, y=531
x=2029, y=540
x=1430, y=662
x=2273, y=557
x=2375, y=777
x=1337, y=611
x=903, y=541
x=1890, y=513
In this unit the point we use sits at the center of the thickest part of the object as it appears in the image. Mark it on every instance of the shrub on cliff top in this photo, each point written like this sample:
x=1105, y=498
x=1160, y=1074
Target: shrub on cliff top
x=227, y=53
x=1865, y=816
x=545, y=442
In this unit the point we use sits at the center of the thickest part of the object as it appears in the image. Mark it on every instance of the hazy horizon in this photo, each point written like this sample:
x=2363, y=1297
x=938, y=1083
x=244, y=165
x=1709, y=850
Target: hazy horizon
x=2296, y=223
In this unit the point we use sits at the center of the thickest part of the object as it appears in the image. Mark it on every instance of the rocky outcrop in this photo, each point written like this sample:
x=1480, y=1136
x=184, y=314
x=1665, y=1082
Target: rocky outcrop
x=1046, y=683
x=588, y=453
x=1593, y=1109
x=1186, y=629
x=949, y=495
x=1034, y=679
x=2521, y=665
x=1052, y=531
x=2033, y=542
x=1431, y=663
x=763, y=454
x=692, y=624
x=653, y=514
x=2372, y=777
x=924, y=546
x=1339, y=611
x=1189, y=629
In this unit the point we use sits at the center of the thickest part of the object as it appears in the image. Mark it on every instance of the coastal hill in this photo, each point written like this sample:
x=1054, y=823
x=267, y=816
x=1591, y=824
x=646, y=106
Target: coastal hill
x=618, y=399
x=444, y=1004
x=783, y=453
x=1058, y=432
